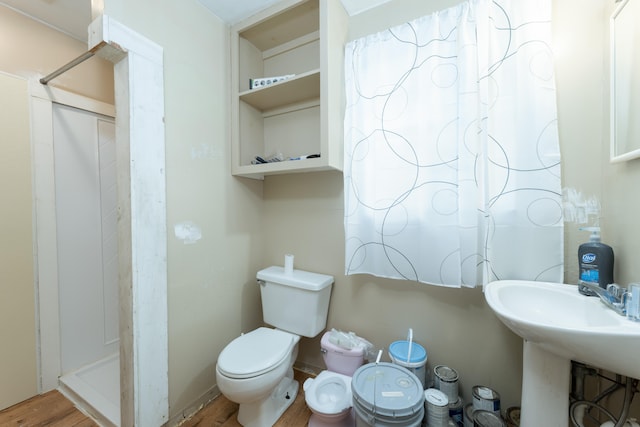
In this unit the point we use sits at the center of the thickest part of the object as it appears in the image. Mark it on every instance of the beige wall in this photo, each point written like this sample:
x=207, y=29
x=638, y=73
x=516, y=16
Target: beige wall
x=619, y=195
x=28, y=51
x=17, y=313
x=247, y=225
x=580, y=37
x=32, y=50
x=212, y=292
x=304, y=216
x=620, y=189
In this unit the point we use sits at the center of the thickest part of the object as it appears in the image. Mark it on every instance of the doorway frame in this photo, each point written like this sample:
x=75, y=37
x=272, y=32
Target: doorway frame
x=142, y=229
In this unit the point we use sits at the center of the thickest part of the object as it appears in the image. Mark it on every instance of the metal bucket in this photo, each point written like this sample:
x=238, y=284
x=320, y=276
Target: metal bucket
x=482, y=418
x=437, y=407
x=446, y=380
x=485, y=398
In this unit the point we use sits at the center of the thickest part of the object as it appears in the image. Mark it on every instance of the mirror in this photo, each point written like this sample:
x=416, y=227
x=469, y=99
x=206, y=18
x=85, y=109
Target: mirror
x=625, y=84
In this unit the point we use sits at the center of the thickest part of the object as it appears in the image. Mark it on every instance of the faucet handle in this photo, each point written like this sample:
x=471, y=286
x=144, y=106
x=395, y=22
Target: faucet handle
x=632, y=302
x=616, y=290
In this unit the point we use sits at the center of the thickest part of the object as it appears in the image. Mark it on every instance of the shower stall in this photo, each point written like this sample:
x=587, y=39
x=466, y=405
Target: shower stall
x=84, y=160
x=117, y=372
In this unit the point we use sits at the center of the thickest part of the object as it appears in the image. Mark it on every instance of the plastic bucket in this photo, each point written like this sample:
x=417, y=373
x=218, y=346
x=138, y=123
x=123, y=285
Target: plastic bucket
x=410, y=355
x=387, y=395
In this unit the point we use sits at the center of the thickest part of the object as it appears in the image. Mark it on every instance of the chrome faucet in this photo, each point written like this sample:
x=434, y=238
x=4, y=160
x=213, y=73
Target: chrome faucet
x=614, y=297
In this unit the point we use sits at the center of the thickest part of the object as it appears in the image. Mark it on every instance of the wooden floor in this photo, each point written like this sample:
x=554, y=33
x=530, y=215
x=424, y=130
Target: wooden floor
x=52, y=409
x=49, y=409
x=223, y=413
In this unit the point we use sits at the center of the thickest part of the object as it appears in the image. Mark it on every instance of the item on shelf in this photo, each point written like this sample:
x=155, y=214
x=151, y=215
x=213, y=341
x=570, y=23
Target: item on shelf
x=266, y=81
x=278, y=157
x=307, y=156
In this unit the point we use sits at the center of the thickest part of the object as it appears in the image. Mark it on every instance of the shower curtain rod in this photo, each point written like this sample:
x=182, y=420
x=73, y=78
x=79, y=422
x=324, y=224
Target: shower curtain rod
x=79, y=60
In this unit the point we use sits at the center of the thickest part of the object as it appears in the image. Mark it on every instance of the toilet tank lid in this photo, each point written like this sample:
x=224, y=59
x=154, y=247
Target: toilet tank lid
x=297, y=278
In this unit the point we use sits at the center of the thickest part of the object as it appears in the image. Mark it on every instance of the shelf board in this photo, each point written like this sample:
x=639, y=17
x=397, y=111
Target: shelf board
x=297, y=89
x=277, y=25
x=276, y=168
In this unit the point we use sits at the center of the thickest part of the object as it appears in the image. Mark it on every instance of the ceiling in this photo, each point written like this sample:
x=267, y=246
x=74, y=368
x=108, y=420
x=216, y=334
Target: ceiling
x=74, y=16
x=232, y=12
x=69, y=16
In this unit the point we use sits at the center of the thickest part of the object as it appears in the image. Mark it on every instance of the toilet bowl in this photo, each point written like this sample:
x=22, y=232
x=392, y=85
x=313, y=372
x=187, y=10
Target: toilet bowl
x=252, y=365
x=255, y=370
x=329, y=398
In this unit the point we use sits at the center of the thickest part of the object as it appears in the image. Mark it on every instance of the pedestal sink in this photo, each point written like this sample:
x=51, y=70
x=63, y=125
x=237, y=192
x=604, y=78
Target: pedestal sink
x=559, y=325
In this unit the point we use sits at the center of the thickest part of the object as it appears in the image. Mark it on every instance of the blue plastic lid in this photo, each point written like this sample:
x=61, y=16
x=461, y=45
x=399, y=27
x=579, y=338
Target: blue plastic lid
x=400, y=349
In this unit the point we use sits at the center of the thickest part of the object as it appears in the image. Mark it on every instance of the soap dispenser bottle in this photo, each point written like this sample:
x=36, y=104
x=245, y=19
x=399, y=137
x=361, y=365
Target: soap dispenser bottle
x=595, y=262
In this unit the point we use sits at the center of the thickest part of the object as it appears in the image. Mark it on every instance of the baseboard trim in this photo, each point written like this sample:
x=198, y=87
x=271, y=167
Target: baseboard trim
x=194, y=407
x=308, y=369
x=214, y=392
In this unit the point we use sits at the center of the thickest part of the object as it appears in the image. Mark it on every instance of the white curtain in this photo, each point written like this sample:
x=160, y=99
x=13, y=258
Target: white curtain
x=452, y=161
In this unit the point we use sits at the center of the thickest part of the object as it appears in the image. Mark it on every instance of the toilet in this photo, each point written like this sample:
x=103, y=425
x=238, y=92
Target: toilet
x=328, y=395
x=255, y=370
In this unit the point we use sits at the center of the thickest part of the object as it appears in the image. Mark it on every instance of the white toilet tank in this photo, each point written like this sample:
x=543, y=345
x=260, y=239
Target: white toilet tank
x=296, y=302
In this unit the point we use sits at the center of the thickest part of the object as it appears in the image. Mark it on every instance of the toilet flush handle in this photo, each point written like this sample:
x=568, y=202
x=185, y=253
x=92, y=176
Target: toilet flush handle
x=261, y=282
x=323, y=351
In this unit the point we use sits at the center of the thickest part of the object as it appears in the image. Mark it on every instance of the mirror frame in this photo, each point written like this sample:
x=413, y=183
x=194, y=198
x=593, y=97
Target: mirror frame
x=621, y=118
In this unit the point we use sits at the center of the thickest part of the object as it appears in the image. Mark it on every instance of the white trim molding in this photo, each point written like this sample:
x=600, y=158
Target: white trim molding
x=142, y=229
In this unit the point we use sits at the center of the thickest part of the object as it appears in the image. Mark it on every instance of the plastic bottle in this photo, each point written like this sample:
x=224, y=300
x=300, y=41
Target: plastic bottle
x=595, y=262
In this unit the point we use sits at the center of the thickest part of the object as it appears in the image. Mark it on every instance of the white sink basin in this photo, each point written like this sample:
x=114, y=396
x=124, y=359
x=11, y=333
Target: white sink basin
x=558, y=325
x=568, y=324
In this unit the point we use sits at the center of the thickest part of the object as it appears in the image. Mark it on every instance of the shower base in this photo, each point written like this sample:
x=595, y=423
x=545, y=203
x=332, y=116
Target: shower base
x=95, y=389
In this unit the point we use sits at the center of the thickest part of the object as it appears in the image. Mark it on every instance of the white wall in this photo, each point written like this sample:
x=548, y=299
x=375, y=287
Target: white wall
x=86, y=232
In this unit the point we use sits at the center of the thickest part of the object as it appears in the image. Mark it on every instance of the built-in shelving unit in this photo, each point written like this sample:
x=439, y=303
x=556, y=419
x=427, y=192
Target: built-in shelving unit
x=301, y=115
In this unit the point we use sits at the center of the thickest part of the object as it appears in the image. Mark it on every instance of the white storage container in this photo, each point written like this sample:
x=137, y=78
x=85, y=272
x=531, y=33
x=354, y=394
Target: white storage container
x=387, y=395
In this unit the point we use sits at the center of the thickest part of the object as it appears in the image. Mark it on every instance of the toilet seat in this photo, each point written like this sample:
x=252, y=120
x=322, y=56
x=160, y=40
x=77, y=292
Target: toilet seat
x=329, y=393
x=255, y=353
